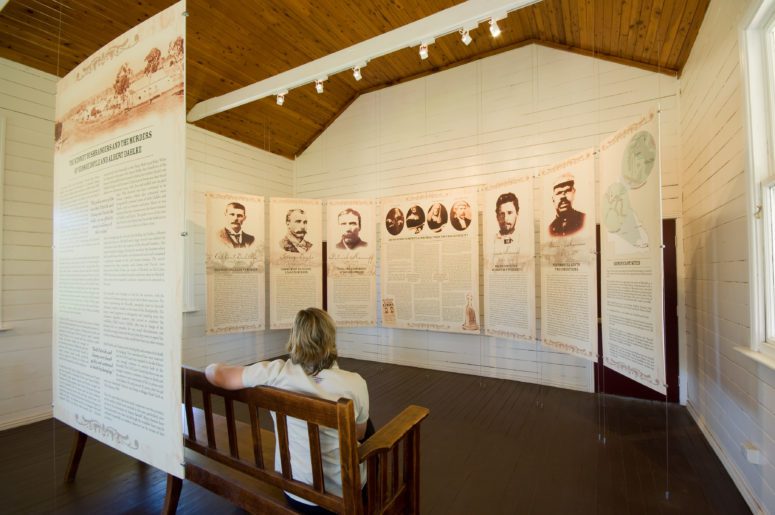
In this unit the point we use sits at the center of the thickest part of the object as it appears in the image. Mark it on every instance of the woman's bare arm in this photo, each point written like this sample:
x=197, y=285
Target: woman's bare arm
x=228, y=377
x=360, y=430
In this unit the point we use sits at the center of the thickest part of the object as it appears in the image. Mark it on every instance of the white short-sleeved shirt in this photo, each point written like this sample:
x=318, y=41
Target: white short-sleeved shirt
x=332, y=384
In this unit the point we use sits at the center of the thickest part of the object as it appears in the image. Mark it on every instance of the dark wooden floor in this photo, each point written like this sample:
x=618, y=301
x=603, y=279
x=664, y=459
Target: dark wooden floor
x=489, y=446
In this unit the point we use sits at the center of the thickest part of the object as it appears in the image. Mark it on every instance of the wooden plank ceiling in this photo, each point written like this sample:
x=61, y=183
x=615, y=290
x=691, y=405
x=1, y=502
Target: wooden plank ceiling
x=232, y=44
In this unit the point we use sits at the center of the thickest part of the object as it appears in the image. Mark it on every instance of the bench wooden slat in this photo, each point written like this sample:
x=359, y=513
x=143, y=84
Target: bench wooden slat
x=208, y=404
x=317, y=459
x=188, y=403
x=231, y=428
x=348, y=457
x=282, y=439
x=394, y=469
x=384, y=463
x=412, y=467
x=258, y=454
x=374, y=498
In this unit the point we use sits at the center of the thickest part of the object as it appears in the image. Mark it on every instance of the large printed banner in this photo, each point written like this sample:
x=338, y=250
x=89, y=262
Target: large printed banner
x=430, y=261
x=296, y=258
x=631, y=240
x=352, y=262
x=118, y=215
x=234, y=261
x=568, y=260
x=509, y=260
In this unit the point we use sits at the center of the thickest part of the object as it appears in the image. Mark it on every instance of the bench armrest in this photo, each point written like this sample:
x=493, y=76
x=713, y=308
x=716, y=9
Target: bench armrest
x=389, y=434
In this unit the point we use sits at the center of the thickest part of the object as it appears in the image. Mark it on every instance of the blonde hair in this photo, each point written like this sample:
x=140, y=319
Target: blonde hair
x=312, y=343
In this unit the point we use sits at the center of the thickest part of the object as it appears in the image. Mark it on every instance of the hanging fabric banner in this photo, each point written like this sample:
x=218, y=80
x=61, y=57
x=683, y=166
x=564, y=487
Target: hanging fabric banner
x=296, y=258
x=568, y=259
x=234, y=262
x=352, y=262
x=631, y=241
x=509, y=260
x=430, y=261
x=119, y=163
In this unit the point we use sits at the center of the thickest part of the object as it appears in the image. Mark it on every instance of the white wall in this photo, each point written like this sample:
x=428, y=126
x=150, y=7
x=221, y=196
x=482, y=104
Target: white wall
x=214, y=163
x=219, y=164
x=731, y=397
x=27, y=104
x=506, y=115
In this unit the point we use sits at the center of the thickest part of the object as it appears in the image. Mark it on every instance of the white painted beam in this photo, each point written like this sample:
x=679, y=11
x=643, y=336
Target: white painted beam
x=468, y=14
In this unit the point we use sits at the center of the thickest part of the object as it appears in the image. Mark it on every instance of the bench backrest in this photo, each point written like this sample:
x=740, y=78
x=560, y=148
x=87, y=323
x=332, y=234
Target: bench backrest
x=315, y=411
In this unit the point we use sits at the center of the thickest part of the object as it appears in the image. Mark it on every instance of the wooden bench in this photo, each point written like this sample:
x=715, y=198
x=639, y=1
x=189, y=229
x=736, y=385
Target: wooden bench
x=236, y=459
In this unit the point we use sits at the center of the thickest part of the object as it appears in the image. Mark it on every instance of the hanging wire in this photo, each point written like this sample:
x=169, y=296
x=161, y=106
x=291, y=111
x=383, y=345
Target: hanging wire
x=601, y=389
x=483, y=339
x=53, y=419
x=382, y=338
x=59, y=35
x=539, y=254
x=662, y=258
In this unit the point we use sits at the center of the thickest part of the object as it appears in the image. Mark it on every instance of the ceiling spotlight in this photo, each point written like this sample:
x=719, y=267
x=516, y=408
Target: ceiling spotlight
x=494, y=29
x=465, y=37
x=424, y=51
x=319, y=85
x=281, y=97
x=357, y=73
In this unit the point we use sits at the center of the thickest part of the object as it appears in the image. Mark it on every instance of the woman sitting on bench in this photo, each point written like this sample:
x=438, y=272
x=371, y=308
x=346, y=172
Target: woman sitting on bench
x=311, y=369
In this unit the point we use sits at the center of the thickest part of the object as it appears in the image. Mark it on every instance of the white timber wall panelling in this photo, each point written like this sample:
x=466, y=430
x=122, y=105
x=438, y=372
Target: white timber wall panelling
x=731, y=397
x=219, y=164
x=27, y=101
x=214, y=163
x=503, y=116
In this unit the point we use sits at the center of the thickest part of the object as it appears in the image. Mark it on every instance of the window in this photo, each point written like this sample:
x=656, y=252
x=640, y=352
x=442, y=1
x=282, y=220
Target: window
x=758, y=54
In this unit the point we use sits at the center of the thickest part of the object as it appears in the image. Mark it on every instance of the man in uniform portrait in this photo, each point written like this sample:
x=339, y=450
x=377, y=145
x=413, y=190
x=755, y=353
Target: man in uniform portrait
x=507, y=212
x=294, y=241
x=349, y=222
x=232, y=234
x=567, y=220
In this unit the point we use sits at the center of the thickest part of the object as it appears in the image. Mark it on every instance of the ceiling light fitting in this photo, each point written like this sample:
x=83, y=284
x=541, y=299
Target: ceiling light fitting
x=424, y=47
x=357, y=71
x=465, y=37
x=466, y=15
x=494, y=29
x=281, y=97
x=423, y=51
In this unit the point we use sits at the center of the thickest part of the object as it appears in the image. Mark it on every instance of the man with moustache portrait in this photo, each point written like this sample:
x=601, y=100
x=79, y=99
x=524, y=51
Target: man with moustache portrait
x=232, y=234
x=349, y=222
x=294, y=241
x=507, y=213
x=567, y=221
